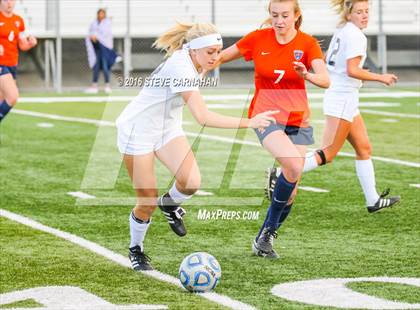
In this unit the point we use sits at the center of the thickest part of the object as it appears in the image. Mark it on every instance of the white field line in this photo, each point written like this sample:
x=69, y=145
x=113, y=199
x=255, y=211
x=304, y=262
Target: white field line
x=64, y=118
x=415, y=185
x=195, y=202
x=81, y=195
x=190, y=134
x=206, y=97
x=389, y=120
x=203, y=193
x=118, y=258
x=384, y=113
x=215, y=106
x=313, y=189
x=45, y=125
x=313, y=105
x=87, y=99
x=373, y=104
x=245, y=142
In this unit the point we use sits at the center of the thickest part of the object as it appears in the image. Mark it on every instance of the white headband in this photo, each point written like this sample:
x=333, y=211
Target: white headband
x=205, y=41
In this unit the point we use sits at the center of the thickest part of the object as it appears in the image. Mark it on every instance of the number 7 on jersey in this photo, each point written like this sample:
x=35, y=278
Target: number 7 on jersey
x=281, y=74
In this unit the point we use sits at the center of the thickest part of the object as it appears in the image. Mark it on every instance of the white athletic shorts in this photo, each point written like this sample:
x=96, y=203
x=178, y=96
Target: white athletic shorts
x=341, y=104
x=136, y=142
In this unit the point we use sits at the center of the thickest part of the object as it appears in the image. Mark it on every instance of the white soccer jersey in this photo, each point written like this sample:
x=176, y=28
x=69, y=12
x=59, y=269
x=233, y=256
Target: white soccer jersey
x=158, y=107
x=348, y=42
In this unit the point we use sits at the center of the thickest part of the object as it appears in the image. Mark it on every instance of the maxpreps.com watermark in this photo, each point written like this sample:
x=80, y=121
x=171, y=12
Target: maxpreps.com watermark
x=160, y=82
x=220, y=214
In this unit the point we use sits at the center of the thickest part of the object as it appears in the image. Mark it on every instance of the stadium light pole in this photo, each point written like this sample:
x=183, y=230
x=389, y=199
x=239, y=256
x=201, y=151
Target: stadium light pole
x=382, y=46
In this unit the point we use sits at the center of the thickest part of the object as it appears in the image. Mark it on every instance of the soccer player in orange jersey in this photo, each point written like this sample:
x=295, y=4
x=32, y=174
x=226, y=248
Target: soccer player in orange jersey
x=345, y=59
x=12, y=38
x=282, y=56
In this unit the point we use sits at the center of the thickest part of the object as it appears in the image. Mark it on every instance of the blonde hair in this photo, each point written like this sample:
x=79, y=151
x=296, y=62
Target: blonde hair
x=181, y=33
x=344, y=8
x=298, y=11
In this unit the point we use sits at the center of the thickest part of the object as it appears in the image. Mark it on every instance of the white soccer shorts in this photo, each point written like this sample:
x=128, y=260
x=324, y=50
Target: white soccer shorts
x=132, y=142
x=341, y=104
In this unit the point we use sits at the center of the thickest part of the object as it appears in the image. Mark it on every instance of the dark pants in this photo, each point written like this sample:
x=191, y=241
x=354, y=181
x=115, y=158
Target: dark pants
x=101, y=64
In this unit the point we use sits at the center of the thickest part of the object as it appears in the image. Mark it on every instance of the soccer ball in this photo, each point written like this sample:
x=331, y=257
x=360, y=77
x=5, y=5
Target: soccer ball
x=199, y=272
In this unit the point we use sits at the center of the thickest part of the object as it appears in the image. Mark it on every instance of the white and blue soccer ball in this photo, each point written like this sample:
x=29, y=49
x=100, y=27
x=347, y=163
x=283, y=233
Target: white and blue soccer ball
x=200, y=272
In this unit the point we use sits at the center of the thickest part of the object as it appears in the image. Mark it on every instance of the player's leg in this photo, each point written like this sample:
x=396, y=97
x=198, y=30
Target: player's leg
x=291, y=158
x=9, y=94
x=107, y=72
x=93, y=89
x=358, y=137
x=178, y=157
x=284, y=214
x=141, y=171
x=335, y=133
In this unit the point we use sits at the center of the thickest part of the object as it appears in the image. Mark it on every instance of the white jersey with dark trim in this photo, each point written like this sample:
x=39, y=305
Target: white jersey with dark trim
x=348, y=42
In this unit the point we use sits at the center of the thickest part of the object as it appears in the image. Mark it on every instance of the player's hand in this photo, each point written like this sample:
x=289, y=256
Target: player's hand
x=262, y=120
x=93, y=38
x=1, y=50
x=389, y=79
x=300, y=69
x=32, y=41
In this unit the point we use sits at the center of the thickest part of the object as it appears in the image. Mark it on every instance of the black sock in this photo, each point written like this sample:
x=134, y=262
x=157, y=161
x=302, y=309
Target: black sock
x=4, y=109
x=284, y=214
x=282, y=192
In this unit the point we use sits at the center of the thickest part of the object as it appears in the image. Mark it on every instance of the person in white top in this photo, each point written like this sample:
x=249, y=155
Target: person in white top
x=101, y=56
x=150, y=127
x=345, y=59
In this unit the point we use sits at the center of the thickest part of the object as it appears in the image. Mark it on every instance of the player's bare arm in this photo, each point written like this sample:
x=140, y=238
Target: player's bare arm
x=26, y=43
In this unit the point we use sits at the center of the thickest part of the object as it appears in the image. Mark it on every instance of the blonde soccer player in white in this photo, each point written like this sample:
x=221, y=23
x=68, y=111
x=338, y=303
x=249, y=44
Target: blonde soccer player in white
x=150, y=128
x=345, y=59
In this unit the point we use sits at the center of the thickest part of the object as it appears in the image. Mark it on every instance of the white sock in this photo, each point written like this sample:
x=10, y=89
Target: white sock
x=310, y=162
x=138, y=231
x=177, y=196
x=366, y=174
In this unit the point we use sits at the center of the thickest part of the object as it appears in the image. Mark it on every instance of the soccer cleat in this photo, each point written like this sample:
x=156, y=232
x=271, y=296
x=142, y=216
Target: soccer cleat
x=173, y=213
x=264, y=245
x=139, y=260
x=271, y=179
x=384, y=202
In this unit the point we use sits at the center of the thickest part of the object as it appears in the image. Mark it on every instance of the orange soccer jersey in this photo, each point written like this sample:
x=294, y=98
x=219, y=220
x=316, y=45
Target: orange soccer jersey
x=278, y=86
x=10, y=30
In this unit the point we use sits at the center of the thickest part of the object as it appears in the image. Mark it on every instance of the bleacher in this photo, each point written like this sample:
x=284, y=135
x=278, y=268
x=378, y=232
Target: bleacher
x=234, y=18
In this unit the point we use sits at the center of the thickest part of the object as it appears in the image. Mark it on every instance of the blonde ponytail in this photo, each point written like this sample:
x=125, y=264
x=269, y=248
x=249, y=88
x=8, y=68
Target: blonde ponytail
x=181, y=33
x=298, y=11
x=344, y=8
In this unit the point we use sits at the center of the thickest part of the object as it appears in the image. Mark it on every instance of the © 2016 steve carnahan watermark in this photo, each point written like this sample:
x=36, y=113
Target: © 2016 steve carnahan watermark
x=162, y=82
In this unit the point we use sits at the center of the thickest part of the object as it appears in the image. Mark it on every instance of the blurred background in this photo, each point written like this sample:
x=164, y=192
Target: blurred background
x=59, y=62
